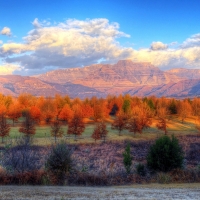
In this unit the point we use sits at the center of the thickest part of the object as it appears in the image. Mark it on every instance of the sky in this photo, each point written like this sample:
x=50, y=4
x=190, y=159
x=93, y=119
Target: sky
x=37, y=36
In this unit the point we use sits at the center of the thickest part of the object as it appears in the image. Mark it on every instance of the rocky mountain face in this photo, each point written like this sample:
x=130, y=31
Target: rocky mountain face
x=186, y=73
x=112, y=79
x=124, y=77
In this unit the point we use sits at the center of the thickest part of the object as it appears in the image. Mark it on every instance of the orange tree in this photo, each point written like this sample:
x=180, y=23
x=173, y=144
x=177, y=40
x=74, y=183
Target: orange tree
x=4, y=127
x=14, y=112
x=120, y=122
x=28, y=127
x=100, y=131
x=56, y=130
x=76, y=126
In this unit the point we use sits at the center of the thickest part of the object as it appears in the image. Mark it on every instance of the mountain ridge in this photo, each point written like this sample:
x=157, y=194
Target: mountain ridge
x=125, y=76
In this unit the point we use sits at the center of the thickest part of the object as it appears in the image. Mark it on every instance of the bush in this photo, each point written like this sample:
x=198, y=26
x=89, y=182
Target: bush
x=21, y=158
x=166, y=154
x=59, y=162
x=163, y=178
x=140, y=169
x=127, y=158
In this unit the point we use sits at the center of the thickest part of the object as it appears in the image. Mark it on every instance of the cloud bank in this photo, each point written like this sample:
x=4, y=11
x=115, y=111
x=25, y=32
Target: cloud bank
x=83, y=42
x=6, y=69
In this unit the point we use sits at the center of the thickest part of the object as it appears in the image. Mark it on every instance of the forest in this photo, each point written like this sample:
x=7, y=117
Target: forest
x=98, y=141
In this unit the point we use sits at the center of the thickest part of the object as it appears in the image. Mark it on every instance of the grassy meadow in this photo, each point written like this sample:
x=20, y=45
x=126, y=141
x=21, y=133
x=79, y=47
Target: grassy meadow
x=43, y=132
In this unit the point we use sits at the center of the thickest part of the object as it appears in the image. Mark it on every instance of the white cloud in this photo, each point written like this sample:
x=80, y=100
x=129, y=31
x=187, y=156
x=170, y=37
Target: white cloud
x=193, y=41
x=1, y=42
x=158, y=46
x=69, y=44
x=79, y=43
x=6, y=69
x=36, y=23
x=6, y=31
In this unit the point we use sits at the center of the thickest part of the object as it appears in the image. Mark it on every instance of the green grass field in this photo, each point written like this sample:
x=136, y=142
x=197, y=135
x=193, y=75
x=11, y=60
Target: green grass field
x=43, y=133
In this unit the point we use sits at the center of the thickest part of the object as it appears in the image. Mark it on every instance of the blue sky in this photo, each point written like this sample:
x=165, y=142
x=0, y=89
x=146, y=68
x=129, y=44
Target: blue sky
x=163, y=32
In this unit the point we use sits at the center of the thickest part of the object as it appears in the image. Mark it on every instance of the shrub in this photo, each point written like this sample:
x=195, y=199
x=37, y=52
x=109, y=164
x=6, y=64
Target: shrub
x=166, y=154
x=21, y=158
x=59, y=162
x=127, y=158
x=140, y=169
x=163, y=178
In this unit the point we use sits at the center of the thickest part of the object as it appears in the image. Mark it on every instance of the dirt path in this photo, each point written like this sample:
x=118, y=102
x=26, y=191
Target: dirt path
x=155, y=191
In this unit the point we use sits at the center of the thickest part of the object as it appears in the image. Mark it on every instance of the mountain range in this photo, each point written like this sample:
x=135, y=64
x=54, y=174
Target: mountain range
x=124, y=77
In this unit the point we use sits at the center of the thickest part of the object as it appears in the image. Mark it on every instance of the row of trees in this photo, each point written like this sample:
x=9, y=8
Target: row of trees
x=132, y=113
x=63, y=108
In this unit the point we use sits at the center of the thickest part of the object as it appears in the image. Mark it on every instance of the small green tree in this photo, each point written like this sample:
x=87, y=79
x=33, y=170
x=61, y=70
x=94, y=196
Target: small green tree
x=127, y=158
x=166, y=154
x=59, y=162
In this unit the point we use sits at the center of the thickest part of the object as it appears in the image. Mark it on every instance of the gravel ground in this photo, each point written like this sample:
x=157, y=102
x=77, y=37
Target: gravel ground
x=181, y=191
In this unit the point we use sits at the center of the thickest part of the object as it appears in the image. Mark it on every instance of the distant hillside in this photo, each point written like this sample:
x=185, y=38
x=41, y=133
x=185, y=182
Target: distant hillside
x=186, y=73
x=116, y=78
x=124, y=77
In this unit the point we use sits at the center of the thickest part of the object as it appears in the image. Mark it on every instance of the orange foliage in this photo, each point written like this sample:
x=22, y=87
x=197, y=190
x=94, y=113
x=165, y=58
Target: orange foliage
x=66, y=113
x=87, y=111
x=35, y=113
x=76, y=125
x=3, y=110
x=14, y=112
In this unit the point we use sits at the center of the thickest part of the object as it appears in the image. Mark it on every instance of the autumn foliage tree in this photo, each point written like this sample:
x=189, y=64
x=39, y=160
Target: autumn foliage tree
x=56, y=130
x=120, y=122
x=140, y=119
x=14, y=112
x=28, y=127
x=4, y=127
x=162, y=125
x=48, y=109
x=100, y=131
x=76, y=126
x=184, y=110
x=66, y=113
x=134, y=125
x=35, y=113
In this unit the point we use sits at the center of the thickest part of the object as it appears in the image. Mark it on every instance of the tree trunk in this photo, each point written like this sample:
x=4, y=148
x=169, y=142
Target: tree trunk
x=55, y=139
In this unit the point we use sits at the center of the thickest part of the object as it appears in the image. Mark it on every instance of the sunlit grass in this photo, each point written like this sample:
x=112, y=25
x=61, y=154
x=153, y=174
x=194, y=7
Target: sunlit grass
x=43, y=133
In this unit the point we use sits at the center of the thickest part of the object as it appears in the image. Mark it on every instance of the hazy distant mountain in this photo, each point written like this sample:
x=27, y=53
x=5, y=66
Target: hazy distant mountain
x=15, y=85
x=185, y=88
x=186, y=73
x=116, y=78
x=141, y=79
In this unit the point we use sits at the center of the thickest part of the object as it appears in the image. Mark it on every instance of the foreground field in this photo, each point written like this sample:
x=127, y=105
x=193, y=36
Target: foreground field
x=152, y=191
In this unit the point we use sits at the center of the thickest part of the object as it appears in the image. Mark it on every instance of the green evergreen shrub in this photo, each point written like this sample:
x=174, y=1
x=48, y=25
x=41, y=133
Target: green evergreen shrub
x=127, y=158
x=59, y=162
x=140, y=169
x=166, y=154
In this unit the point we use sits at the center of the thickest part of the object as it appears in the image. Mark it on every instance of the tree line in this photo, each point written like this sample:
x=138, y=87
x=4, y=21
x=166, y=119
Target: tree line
x=129, y=112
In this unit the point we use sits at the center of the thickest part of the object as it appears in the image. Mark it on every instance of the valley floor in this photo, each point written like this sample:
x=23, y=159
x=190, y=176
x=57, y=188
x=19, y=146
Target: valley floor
x=152, y=191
